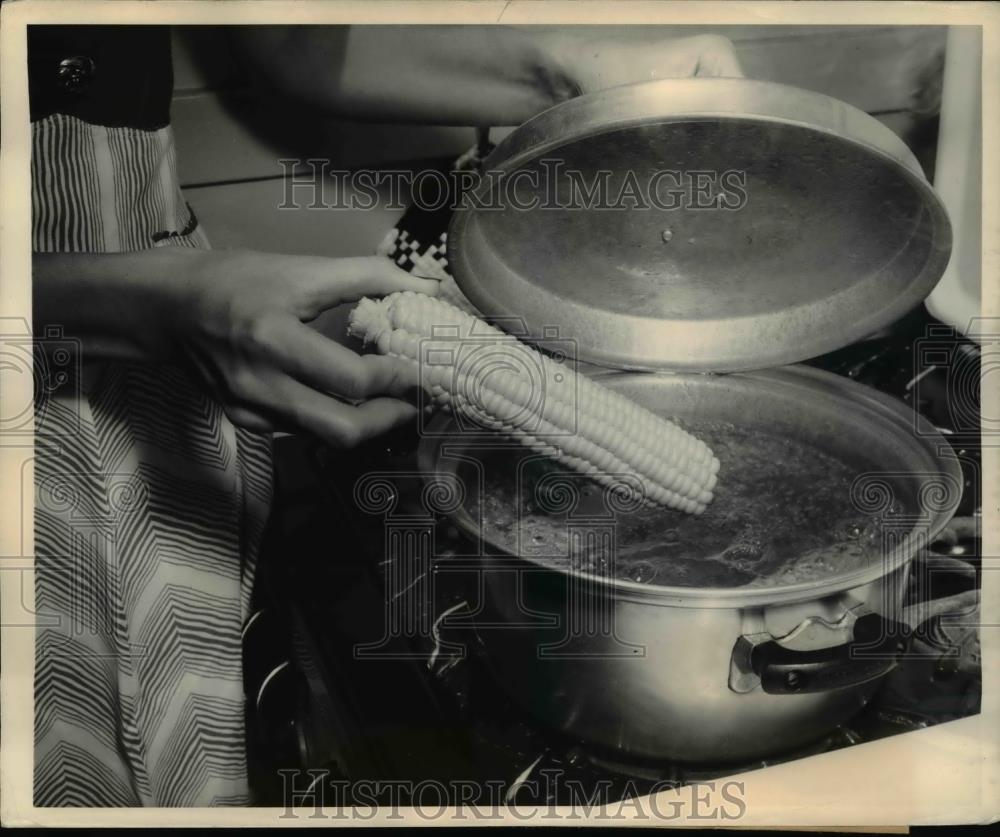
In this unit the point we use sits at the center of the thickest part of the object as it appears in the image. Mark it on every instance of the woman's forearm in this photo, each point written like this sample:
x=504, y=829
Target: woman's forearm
x=458, y=75
x=467, y=75
x=113, y=303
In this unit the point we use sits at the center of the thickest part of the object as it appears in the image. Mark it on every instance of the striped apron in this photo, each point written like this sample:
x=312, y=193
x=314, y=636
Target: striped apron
x=149, y=511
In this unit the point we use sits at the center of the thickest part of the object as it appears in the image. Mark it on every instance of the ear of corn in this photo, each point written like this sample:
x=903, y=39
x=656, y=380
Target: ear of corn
x=571, y=418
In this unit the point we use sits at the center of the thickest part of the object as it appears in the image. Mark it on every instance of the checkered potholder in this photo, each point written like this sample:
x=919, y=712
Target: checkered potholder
x=419, y=241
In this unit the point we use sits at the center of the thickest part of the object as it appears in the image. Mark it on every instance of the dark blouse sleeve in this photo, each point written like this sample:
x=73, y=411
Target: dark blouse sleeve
x=117, y=76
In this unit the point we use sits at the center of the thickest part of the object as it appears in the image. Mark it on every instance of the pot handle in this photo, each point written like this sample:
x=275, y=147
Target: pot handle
x=870, y=654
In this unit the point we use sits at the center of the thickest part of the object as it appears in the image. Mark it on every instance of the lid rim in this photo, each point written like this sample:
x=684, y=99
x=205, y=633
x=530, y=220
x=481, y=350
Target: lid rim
x=908, y=276
x=842, y=111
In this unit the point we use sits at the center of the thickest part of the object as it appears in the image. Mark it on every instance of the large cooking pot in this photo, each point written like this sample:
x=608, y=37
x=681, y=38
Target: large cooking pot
x=716, y=675
x=832, y=233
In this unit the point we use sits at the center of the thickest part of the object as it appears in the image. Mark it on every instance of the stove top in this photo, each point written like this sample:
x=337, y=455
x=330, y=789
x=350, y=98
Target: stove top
x=426, y=706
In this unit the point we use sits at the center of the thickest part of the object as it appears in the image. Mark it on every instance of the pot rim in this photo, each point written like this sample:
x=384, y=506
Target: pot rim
x=886, y=407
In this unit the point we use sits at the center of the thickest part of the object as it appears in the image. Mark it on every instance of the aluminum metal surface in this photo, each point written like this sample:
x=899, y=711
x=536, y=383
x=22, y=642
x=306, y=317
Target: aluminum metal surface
x=839, y=233
x=658, y=685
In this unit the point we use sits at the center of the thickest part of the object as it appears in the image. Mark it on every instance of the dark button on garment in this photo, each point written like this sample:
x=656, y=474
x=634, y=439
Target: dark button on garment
x=118, y=76
x=75, y=73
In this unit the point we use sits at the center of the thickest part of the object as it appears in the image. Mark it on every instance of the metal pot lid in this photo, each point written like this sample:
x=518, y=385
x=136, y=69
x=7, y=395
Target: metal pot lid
x=700, y=224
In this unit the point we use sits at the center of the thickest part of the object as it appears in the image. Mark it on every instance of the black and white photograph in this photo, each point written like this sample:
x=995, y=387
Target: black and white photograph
x=479, y=414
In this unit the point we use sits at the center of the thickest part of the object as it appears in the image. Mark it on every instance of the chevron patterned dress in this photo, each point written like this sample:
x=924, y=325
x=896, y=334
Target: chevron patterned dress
x=150, y=507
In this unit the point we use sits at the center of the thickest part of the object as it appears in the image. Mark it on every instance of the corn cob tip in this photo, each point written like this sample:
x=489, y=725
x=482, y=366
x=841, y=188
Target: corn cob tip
x=369, y=319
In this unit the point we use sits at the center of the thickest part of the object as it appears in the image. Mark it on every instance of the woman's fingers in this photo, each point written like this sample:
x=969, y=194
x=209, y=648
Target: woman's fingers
x=338, y=424
x=250, y=419
x=346, y=280
x=349, y=426
x=717, y=58
x=323, y=364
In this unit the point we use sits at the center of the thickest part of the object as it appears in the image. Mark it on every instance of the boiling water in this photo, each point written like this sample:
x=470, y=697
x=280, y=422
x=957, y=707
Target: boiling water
x=782, y=514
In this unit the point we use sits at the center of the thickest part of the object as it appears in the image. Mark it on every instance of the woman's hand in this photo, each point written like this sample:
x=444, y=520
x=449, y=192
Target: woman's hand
x=242, y=328
x=237, y=321
x=595, y=60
